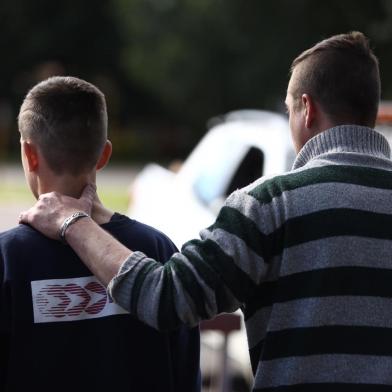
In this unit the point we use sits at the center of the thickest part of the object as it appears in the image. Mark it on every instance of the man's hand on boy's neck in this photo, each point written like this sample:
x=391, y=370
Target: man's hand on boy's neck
x=72, y=186
x=51, y=209
x=101, y=253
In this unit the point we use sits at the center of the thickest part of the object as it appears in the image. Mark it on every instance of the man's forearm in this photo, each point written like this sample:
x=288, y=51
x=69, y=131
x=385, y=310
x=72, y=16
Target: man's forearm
x=99, y=251
x=193, y=285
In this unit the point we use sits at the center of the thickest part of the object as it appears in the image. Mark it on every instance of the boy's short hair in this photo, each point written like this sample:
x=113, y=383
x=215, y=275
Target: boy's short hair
x=342, y=74
x=66, y=118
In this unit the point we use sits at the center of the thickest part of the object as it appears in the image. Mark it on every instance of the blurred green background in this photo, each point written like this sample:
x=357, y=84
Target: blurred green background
x=167, y=66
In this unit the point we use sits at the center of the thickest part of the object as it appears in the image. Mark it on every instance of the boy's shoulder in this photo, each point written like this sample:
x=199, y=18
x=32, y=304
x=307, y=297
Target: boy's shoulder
x=140, y=236
x=135, y=235
x=120, y=222
x=18, y=234
x=24, y=242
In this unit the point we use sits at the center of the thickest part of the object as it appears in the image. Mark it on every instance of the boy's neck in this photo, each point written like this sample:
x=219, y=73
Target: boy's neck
x=73, y=187
x=66, y=184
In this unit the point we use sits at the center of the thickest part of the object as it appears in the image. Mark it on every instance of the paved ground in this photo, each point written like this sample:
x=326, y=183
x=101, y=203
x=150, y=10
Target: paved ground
x=12, y=176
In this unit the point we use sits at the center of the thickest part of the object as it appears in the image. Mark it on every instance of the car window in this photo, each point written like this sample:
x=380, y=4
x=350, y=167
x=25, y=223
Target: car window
x=249, y=170
x=215, y=168
x=232, y=166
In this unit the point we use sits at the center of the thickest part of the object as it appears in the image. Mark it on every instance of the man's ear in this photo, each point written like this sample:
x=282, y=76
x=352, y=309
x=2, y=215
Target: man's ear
x=310, y=110
x=31, y=153
x=105, y=156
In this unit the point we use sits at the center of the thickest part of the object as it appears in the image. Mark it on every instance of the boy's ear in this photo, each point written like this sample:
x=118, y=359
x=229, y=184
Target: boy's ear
x=31, y=154
x=105, y=156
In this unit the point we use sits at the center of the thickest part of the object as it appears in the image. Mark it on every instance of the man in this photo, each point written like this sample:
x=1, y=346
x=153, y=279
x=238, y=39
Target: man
x=58, y=328
x=306, y=255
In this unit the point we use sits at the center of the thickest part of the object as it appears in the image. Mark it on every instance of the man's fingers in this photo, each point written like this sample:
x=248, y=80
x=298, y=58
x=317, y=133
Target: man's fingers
x=22, y=217
x=25, y=217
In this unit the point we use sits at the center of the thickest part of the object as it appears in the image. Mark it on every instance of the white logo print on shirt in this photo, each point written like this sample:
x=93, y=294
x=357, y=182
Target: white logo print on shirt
x=72, y=299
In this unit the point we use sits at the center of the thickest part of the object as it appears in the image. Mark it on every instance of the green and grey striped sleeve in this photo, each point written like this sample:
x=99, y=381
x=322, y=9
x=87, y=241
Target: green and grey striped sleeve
x=214, y=274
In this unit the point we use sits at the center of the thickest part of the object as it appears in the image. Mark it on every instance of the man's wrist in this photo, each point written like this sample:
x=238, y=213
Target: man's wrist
x=76, y=216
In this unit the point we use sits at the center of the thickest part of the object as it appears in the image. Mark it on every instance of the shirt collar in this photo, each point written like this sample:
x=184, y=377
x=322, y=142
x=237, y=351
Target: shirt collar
x=344, y=138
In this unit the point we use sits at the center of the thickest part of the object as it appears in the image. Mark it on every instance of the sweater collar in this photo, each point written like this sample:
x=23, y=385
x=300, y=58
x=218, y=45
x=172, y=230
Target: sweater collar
x=344, y=138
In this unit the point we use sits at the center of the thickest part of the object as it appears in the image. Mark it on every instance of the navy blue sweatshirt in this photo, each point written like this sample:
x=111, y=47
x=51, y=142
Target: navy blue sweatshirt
x=60, y=331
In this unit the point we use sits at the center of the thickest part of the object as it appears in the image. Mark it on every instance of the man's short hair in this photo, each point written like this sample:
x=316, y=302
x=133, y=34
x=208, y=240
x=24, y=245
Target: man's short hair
x=341, y=73
x=66, y=118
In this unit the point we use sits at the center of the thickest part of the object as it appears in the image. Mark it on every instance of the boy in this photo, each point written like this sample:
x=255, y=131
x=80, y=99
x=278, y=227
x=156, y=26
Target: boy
x=58, y=328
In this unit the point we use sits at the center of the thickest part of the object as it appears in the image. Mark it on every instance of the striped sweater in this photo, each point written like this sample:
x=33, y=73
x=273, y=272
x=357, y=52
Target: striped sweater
x=306, y=255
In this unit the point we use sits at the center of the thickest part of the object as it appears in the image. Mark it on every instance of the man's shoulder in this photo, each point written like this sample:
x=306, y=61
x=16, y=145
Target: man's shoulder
x=271, y=186
x=321, y=172
x=267, y=187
